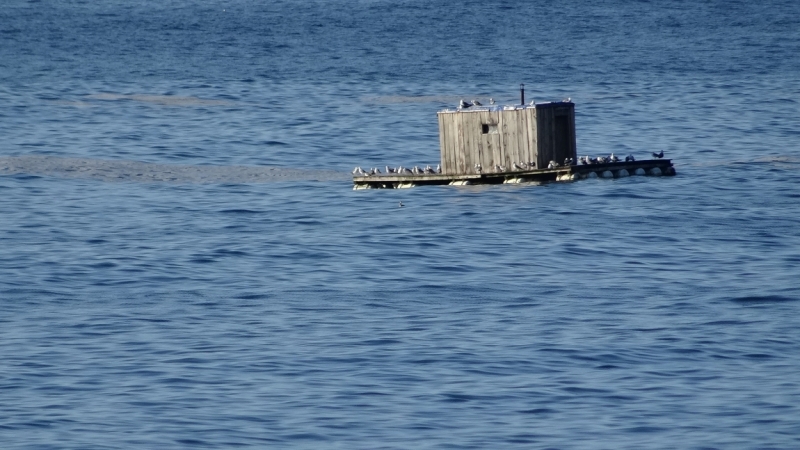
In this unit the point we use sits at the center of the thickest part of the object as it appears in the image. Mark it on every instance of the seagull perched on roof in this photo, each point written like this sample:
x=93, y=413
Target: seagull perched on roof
x=567, y=100
x=518, y=167
x=491, y=101
x=658, y=155
x=476, y=103
x=464, y=104
x=613, y=158
x=629, y=158
x=552, y=165
x=438, y=168
x=533, y=103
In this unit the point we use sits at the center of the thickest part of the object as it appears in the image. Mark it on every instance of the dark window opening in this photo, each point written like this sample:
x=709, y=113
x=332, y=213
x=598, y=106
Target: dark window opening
x=487, y=128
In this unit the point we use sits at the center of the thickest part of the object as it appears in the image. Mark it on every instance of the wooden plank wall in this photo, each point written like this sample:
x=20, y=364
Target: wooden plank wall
x=449, y=142
x=533, y=149
x=522, y=135
x=442, y=141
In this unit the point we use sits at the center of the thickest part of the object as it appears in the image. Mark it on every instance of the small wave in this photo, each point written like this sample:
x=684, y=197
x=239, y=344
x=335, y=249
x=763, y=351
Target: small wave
x=394, y=99
x=122, y=170
x=166, y=100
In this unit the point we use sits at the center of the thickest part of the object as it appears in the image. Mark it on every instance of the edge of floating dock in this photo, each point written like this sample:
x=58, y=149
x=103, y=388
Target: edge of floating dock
x=566, y=173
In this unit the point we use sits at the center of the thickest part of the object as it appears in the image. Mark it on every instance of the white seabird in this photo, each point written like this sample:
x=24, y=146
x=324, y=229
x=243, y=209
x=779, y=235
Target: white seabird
x=464, y=104
x=476, y=103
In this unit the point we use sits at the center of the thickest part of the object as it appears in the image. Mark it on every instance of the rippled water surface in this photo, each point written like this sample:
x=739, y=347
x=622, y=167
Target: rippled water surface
x=185, y=264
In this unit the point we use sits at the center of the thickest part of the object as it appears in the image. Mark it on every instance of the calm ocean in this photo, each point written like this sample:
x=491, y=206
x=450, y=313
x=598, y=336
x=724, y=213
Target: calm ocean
x=184, y=263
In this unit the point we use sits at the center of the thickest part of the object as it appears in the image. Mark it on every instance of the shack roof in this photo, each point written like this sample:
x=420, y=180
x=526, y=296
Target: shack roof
x=502, y=107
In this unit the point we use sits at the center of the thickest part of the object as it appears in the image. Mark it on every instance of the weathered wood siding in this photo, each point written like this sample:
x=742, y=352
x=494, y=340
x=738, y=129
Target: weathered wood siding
x=524, y=134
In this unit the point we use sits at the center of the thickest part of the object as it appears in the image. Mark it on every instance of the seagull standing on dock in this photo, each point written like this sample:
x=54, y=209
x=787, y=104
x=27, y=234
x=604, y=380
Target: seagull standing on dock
x=630, y=158
x=491, y=101
x=438, y=168
x=658, y=155
x=476, y=103
x=613, y=158
x=464, y=104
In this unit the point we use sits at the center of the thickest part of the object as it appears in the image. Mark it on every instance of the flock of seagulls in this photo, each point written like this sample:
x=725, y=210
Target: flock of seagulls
x=416, y=170
x=463, y=104
x=515, y=166
x=612, y=158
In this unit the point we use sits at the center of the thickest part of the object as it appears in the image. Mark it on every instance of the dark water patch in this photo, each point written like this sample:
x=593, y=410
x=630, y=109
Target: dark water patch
x=762, y=299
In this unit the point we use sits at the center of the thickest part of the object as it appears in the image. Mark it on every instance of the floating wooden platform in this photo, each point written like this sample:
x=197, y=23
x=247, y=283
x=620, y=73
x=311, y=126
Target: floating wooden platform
x=566, y=173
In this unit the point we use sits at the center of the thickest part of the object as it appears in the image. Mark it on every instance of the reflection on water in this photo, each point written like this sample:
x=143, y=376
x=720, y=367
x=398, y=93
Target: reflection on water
x=168, y=100
x=115, y=170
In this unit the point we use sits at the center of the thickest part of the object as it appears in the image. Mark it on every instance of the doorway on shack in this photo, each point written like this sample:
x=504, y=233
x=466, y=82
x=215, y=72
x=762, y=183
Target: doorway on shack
x=562, y=149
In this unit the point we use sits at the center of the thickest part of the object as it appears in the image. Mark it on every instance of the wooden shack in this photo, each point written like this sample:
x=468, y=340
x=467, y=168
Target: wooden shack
x=504, y=135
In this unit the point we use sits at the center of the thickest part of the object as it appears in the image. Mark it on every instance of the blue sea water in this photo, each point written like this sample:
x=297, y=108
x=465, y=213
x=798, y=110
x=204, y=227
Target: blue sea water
x=185, y=264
